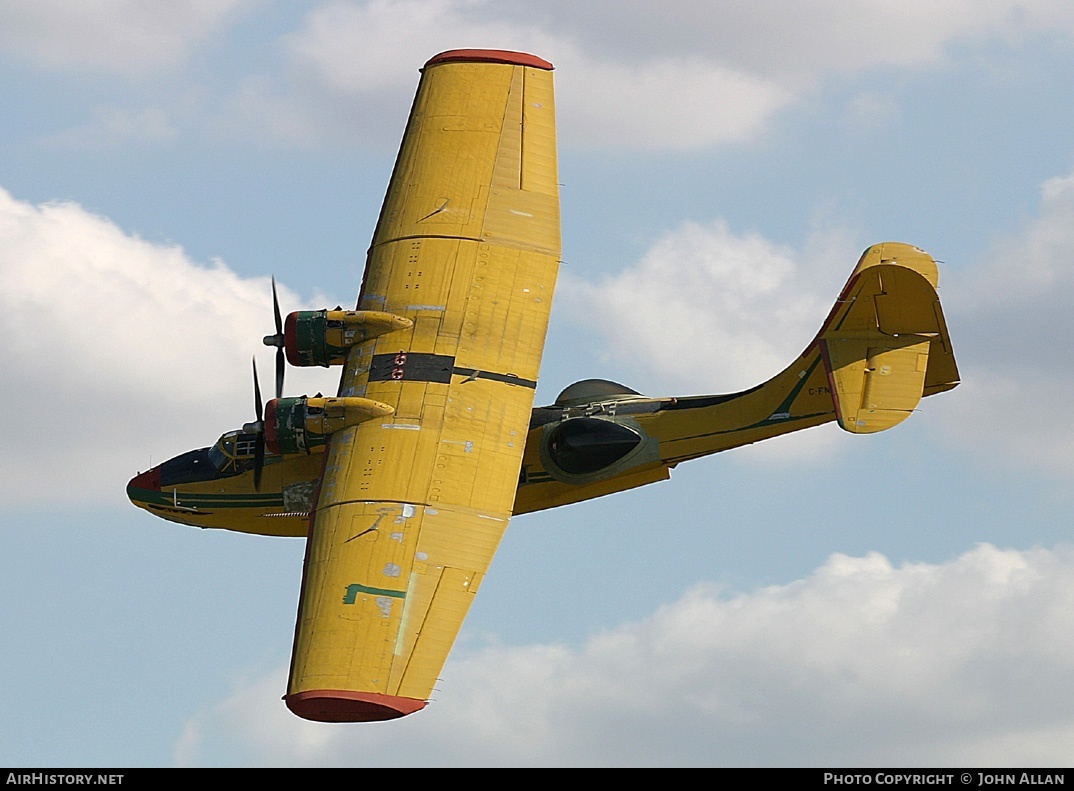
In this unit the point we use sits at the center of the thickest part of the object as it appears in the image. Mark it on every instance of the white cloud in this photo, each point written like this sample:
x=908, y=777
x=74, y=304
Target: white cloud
x=119, y=36
x=631, y=75
x=365, y=47
x=682, y=104
x=353, y=67
x=1010, y=318
x=116, y=351
x=862, y=663
x=356, y=68
x=789, y=40
x=722, y=311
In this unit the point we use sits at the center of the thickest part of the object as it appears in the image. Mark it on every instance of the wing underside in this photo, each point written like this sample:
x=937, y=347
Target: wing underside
x=412, y=508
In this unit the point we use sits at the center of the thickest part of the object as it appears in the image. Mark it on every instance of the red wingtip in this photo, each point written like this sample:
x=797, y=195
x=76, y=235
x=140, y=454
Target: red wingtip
x=490, y=56
x=339, y=705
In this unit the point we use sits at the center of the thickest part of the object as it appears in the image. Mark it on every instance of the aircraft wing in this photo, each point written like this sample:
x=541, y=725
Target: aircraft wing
x=412, y=507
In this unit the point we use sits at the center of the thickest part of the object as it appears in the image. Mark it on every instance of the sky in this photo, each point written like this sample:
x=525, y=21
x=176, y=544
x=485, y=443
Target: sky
x=821, y=599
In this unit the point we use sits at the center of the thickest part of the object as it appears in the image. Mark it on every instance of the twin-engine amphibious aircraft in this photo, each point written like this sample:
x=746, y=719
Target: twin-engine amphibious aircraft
x=405, y=481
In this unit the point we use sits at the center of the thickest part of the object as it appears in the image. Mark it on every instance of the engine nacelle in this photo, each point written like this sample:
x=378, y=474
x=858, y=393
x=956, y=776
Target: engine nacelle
x=322, y=337
x=299, y=425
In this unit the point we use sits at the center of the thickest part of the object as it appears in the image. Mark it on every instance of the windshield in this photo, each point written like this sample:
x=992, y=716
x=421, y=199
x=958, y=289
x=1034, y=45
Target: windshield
x=233, y=453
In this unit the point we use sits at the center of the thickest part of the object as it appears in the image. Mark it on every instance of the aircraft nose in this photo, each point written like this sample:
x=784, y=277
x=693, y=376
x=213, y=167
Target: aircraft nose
x=148, y=481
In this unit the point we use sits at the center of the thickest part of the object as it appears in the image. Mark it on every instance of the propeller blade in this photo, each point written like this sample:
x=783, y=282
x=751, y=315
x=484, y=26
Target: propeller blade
x=278, y=340
x=257, y=395
x=276, y=309
x=259, y=441
x=280, y=366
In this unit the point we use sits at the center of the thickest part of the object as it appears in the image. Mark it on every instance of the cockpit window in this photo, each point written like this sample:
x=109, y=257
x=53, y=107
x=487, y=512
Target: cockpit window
x=244, y=445
x=221, y=461
x=233, y=453
x=189, y=467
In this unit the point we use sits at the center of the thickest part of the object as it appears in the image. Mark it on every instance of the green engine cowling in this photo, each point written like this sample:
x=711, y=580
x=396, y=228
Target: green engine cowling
x=322, y=337
x=300, y=425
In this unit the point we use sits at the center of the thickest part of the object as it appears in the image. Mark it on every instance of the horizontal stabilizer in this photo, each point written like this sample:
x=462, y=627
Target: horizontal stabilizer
x=885, y=344
x=876, y=382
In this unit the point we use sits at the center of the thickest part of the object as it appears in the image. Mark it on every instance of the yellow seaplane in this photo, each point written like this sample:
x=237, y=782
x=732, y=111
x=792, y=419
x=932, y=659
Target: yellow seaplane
x=403, y=483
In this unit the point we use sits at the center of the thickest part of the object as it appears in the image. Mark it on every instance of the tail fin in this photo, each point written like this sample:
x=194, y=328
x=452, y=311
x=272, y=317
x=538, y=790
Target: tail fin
x=885, y=343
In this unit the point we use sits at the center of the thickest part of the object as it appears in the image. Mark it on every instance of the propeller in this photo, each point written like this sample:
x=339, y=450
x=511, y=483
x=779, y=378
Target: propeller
x=277, y=340
x=258, y=429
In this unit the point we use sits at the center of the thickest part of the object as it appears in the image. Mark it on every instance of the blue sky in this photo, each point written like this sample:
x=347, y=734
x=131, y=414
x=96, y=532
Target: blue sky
x=821, y=599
